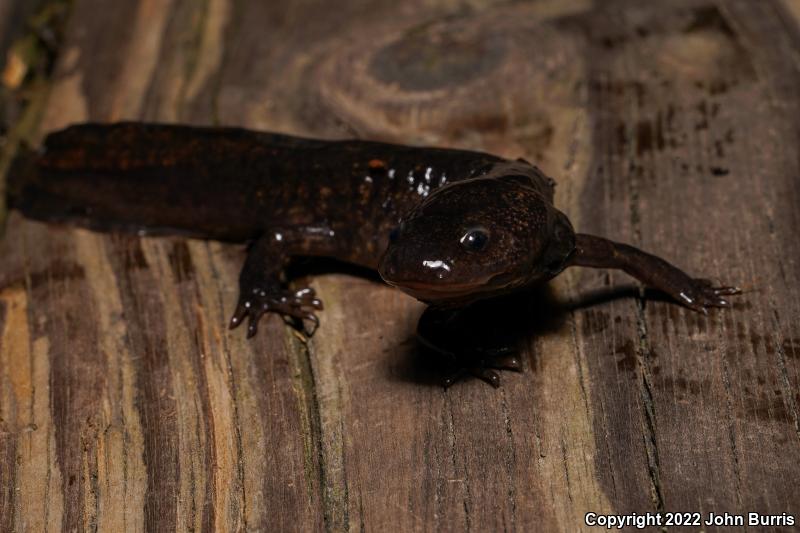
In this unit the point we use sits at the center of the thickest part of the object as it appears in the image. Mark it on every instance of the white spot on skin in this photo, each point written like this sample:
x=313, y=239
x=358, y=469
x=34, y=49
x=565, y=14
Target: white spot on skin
x=367, y=179
x=442, y=180
x=423, y=189
x=324, y=230
x=410, y=177
x=279, y=237
x=437, y=264
x=428, y=174
x=391, y=173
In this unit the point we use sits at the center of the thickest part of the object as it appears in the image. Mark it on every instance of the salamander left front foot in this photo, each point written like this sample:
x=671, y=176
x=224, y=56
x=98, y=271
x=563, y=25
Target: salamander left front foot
x=699, y=294
x=484, y=368
x=460, y=337
x=298, y=305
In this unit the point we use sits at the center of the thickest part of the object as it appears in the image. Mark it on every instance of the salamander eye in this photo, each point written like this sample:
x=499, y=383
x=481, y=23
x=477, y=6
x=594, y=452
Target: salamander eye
x=475, y=239
x=394, y=234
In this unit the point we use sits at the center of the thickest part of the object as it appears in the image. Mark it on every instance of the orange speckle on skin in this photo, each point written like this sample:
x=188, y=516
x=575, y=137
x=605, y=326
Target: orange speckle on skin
x=377, y=163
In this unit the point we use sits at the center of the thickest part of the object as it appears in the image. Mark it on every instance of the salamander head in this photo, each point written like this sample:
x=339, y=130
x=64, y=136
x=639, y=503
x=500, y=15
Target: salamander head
x=477, y=238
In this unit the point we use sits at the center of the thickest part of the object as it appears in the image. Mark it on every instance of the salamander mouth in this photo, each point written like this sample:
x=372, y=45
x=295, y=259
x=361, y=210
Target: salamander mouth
x=444, y=292
x=435, y=288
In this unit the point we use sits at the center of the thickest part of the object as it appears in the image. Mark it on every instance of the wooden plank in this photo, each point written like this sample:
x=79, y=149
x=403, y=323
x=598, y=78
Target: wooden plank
x=125, y=404
x=682, y=170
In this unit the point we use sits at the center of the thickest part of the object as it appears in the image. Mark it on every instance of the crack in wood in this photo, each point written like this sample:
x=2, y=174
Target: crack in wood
x=643, y=350
x=730, y=423
x=648, y=403
x=511, y=461
x=565, y=466
x=466, y=501
x=335, y=511
x=788, y=393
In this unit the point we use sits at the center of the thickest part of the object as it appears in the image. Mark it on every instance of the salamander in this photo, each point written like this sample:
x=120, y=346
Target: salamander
x=448, y=227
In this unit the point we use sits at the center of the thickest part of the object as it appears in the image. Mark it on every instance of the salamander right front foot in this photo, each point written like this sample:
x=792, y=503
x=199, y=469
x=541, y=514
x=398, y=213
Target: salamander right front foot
x=298, y=305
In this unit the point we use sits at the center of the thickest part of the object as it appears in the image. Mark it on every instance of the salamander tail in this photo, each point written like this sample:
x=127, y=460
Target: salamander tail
x=21, y=173
x=28, y=192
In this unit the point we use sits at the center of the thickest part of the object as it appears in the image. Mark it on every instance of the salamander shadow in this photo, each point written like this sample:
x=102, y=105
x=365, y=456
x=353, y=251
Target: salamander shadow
x=496, y=324
x=509, y=321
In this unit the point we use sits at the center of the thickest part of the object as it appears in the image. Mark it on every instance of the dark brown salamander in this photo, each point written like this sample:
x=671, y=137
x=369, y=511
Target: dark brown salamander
x=448, y=227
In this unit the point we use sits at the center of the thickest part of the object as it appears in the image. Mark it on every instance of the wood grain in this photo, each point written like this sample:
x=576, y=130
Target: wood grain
x=126, y=404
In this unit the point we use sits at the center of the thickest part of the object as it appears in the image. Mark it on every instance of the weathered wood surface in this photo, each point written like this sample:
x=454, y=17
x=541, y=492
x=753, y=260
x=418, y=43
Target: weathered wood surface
x=125, y=404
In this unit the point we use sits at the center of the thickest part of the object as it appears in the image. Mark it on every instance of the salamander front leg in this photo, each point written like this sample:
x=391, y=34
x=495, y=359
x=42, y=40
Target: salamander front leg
x=697, y=294
x=261, y=290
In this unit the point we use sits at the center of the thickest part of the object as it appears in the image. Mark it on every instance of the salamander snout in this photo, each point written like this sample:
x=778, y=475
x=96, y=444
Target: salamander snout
x=441, y=259
x=396, y=261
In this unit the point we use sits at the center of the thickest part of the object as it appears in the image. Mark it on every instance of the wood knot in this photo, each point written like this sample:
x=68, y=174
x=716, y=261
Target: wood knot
x=477, y=81
x=438, y=56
